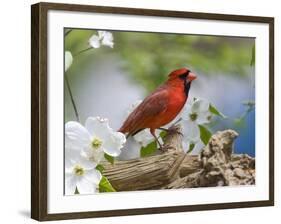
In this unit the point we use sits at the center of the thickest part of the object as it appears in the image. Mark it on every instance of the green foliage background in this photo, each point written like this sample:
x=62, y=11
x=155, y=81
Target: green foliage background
x=145, y=54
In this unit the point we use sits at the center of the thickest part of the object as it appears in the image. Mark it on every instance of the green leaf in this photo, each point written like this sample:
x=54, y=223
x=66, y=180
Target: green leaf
x=100, y=168
x=163, y=134
x=239, y=122
x=76, y=191
x=152, y=147
x=149, y=149
x=109, y=158
x=191, y=147
x=105, y=186
x=205, y=134
x=215, y=111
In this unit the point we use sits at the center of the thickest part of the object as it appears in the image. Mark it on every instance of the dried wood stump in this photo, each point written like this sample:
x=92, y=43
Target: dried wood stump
x=216, y=165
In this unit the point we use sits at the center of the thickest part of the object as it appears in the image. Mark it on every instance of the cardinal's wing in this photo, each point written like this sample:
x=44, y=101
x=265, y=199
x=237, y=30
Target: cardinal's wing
x=152, y=106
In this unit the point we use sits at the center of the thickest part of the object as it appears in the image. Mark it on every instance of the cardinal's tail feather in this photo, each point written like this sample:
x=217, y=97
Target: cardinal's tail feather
x=125, y=131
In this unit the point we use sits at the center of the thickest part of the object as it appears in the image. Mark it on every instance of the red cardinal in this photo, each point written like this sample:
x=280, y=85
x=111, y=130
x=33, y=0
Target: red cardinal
x=161, y=106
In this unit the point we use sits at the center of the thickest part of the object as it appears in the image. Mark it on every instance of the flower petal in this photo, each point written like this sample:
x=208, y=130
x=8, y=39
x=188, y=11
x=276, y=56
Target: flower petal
x=71, y=152
x=144, y=137
x=70, y=157
x=191, y=131
x=98, y=127
x=200, y=105
x=68, y=59
x=204, y=117
x=68, y=144
x=198, y=148
x=77, y=137
x=101, y=34
x=186, y=112
x=131, y=150
x=93, y=155
x=199, y=145
x=85, y=186
x=94, y=41
x=94, y=176
x=85, y=163
x=114, y=143
x=185, y=145
x=107, y=39
x=119, y=139
x=70, y=184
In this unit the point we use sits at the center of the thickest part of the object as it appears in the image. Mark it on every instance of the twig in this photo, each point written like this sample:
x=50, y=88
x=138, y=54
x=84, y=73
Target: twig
x=82, y=51
x=67, y=32
x=71, y=98
x=176, y=122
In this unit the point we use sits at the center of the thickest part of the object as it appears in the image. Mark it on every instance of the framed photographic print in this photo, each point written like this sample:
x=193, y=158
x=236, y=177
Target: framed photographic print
x=138, y=111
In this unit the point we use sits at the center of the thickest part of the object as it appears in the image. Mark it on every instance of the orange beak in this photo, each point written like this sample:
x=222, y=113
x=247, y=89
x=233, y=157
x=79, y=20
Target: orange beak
x=191, y=76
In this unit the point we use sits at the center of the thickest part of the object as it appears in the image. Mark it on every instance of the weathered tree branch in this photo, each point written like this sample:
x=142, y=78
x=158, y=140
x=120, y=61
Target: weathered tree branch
x=215, y=166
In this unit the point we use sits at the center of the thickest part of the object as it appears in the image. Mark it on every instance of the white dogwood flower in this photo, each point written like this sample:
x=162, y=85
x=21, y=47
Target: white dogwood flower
x=195, y=114
x=106, y=38
x=94, y=41
x=144, y=137
x=68, y=59
x=95, y=139
x=80, y=173
x=103, y=38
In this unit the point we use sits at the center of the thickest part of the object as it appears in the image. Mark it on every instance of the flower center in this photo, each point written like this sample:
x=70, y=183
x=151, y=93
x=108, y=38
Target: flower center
x=209, y=117
x=193, y=116
x=78, y=170
x=96, y=143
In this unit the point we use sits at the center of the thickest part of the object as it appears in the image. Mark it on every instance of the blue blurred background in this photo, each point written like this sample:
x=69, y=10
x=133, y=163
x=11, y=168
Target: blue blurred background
x=106, y=81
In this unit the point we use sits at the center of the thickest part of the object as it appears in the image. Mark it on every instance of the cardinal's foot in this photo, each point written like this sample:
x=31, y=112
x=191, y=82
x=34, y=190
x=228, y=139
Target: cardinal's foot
x=172, y=130
x=163, y=148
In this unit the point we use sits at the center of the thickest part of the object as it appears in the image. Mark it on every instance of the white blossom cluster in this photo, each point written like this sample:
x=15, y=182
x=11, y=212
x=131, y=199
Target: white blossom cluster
x=102, y=38
x=85, y=147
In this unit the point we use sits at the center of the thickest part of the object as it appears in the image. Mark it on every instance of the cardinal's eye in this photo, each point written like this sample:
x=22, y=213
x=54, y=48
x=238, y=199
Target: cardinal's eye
x=183, y=76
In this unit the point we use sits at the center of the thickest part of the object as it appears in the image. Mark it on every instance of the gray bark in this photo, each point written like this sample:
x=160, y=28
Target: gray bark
x=216, y=165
